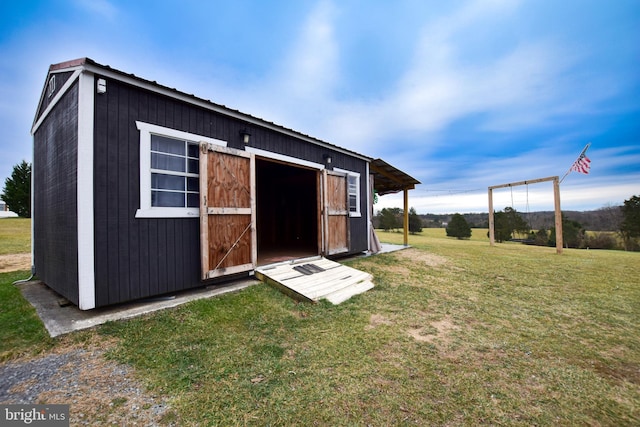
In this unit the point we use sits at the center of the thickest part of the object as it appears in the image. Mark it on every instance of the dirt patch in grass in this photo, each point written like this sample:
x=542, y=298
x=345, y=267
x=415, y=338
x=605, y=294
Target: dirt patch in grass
x=376, y=320
x=421, y=257
x=437, y=332
x=14, y=262
x=412, y=259
x=619, y=371
x=391, y=355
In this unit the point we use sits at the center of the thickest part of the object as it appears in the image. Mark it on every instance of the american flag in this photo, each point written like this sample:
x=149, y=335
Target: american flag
x=582, y=163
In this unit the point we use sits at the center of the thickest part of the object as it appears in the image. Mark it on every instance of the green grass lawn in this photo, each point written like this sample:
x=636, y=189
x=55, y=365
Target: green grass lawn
x=455, y=333
x=15, y=236
x=21, y=331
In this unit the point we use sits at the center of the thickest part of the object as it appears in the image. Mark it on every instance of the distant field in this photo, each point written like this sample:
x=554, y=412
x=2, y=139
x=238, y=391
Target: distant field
x=480, y=234
x=15, y=235
x=477, y=234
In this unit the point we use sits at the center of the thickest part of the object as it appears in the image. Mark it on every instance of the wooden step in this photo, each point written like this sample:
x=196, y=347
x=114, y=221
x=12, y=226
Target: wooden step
x=313, y=279
x=346, y=293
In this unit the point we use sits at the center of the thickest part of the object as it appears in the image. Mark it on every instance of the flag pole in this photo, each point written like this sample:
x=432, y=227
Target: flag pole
x=586, y=147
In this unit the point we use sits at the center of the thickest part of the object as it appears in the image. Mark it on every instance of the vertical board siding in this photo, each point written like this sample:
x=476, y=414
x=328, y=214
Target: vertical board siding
x=136, y=257
x=55, y=198
x=126, y=246
x=101, y=201
x=137, y=282
x=358, y=226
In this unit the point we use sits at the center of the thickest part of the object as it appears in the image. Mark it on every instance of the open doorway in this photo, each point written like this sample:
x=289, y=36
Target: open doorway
x=286, y=211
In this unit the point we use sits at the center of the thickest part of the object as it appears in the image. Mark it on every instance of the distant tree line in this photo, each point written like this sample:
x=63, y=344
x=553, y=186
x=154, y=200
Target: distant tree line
x=392, y=219
x=604, y=219
x=510, y=225
x=537, y=228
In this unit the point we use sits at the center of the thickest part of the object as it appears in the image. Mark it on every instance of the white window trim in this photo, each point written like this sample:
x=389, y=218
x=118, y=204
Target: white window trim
x=357, y=213
x=284, y=158
x=146, y=210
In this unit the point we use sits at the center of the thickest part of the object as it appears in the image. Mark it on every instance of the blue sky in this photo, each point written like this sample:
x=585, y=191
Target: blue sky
x=461, y=95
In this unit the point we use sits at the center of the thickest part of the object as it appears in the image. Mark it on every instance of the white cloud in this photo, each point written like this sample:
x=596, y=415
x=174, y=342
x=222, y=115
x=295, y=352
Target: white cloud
x=102, y=8
x=311, y=72
x=614, y=157
x=520, y=86
x=514, y=89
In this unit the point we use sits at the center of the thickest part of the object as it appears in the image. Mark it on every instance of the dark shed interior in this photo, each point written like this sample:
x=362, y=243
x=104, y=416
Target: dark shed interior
x=286, y=210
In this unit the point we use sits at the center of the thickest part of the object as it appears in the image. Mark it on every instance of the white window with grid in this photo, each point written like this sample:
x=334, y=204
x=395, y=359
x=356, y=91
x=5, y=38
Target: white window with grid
x=353, y=191
x=169, y=166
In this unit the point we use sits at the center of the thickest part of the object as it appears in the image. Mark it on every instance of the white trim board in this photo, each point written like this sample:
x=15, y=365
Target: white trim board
x=86, y=263
x=283, y=158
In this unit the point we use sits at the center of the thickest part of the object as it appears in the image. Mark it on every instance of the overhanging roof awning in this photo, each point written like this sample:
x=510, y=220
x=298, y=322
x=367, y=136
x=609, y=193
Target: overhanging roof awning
x=388, y=180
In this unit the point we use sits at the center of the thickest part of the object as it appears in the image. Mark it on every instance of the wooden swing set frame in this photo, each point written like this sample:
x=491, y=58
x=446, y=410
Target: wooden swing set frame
x=556, y=198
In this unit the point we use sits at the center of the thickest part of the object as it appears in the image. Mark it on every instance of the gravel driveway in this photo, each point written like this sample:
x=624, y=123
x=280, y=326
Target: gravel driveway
x=99, y=391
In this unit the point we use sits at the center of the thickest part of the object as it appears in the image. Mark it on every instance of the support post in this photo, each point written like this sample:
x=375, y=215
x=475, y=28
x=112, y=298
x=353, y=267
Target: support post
x=492, y=230
x=556, y=200
x=406, y=217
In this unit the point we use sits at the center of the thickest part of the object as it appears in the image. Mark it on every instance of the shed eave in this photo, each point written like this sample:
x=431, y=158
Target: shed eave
x=390, y=180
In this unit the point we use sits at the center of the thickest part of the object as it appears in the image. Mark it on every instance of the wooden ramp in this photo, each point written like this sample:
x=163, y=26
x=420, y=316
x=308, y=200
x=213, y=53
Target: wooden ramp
x=313, y=279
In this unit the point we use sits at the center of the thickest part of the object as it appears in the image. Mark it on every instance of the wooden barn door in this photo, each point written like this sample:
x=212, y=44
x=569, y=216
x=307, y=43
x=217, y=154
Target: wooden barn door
x=336, y=213
x=227, y=211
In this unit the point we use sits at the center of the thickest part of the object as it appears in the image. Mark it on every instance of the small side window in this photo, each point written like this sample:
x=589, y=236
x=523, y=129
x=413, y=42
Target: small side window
x=51, y=86
x=353, y=193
